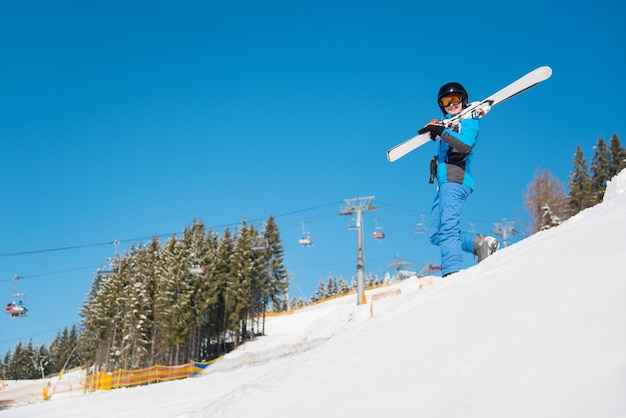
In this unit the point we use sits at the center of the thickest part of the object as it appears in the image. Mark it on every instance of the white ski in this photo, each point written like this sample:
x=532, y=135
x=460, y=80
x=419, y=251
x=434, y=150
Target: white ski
x=475, y=110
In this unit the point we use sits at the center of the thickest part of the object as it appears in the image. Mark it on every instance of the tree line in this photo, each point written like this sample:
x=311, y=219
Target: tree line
x=548, y=204
x=30, y=362
x=333, y=286
x=193, y=297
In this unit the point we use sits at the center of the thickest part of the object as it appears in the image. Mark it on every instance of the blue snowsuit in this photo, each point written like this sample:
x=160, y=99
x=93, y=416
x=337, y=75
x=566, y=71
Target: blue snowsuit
x=455, y=184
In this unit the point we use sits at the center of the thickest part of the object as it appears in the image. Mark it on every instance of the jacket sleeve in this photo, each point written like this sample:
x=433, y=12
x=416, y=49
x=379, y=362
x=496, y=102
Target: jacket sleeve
x=464, y=140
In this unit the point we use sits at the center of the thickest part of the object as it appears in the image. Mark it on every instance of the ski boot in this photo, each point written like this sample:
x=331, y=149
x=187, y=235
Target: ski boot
x=484, y=246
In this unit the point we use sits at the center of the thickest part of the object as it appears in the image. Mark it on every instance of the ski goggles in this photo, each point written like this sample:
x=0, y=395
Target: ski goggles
x=454, y=98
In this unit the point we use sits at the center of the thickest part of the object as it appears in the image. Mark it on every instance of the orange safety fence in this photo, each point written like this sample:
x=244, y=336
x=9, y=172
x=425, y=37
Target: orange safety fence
x=77, y=382
x=382, y=295
x=157, y=373
x=19, y=391
x=363, y=300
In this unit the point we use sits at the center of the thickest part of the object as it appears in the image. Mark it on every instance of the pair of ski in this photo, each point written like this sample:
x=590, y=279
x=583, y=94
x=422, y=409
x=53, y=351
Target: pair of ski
x=474, y=110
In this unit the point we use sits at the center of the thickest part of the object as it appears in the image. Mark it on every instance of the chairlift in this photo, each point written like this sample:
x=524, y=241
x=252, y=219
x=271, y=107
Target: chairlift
x=109, y=270
x=353, y=225
x=378, y=231
x=305, y=240
x=420, y=228
x=197, y=270
x=111, y=267
x=16, y=305
x=259, y=243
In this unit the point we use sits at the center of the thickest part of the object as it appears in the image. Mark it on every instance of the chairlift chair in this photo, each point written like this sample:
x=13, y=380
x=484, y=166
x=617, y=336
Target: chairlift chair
x=259, y=244
x=197, y=270
x=16, y=305
x=305, y=241
x=109, y=270
x=378, y=233
x=111, y=267
x=353, y=225
x=420, y=228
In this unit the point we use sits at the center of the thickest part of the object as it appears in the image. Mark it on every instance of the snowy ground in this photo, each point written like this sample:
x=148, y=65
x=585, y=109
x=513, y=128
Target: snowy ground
x=537, y=330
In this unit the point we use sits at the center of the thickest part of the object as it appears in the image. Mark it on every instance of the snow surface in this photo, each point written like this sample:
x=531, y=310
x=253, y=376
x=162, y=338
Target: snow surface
x=536, y=330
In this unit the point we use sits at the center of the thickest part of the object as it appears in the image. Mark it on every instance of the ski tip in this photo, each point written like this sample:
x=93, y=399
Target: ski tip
x=546, y=71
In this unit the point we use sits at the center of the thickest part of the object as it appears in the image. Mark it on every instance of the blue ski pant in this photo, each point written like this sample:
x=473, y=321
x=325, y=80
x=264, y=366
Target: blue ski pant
x=444, y=229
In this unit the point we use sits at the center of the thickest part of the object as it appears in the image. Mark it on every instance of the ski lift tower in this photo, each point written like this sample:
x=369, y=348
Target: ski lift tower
x=505, y=229
x=400, y=265
x=356, y=206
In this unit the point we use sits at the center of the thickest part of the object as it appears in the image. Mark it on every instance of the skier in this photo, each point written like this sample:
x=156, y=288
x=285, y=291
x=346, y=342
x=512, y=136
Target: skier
x=452, y=169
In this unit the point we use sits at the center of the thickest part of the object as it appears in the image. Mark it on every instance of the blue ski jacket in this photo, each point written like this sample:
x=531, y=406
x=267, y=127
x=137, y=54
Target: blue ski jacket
x=456, y=149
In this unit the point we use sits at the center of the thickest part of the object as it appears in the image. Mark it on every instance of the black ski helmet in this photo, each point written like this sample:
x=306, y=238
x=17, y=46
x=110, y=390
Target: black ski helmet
x=449, y=88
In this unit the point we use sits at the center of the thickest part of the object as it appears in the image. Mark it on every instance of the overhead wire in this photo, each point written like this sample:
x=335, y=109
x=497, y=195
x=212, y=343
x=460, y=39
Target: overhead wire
x=128, y=240
x=47, y=250
x=218, y=227
x=100, y=244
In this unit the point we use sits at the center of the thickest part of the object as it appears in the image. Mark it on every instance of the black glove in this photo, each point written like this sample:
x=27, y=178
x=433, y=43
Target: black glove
x=435, y=130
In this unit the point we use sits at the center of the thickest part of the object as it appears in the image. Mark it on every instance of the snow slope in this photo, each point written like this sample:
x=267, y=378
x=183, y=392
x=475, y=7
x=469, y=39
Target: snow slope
x=537, y=330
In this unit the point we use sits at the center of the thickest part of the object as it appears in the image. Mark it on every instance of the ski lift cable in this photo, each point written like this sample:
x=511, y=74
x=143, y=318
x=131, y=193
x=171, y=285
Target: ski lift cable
x=398, y=207
x=100, y=244
x=47, y=250
x=31, y=276
x=31, y=335
x=73, y=247
x=417, y=211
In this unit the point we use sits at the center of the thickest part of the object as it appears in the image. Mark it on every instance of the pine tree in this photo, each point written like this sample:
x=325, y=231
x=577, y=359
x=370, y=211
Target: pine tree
x=151, y=270
x=320, y=292
x=549, y=219
x=240, y=282
x=209, y=335
x=173, y=301
x=580, y=195
x=617, y=160
x=135, y=327
x=4, y=365
x=600, y=169
x=42, y=356
x=201, y=248
x=222, y=277
x=23, y=364
x=277, y=283
x=343, y=286
x=62, y=350
x=331, y=287
x=99, y=342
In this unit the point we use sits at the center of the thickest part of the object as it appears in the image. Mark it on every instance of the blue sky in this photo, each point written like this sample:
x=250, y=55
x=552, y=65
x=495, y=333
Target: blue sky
x=121, y=120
